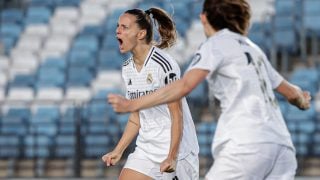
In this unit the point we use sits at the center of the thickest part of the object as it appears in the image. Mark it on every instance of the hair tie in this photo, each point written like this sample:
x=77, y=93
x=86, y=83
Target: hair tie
x=148, y=12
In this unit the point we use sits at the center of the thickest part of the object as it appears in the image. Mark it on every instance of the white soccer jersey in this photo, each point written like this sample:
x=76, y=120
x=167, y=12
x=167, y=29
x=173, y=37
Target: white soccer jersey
x=241, y=77
x=154, y=136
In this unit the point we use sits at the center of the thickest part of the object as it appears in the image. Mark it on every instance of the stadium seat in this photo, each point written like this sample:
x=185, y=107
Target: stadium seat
x=296, y=115
x=79, y=77
x=44, y=121
x=96, y=145
x=72, y=3
x=46, y=3
x=86, y=42
x=78, y=94
x=23, y=80
x=110, y=60
x=37, y=146
x=37, y=15
x=65, y=146
x=15, y=121
x=50, y=77
x=9, y=146
x=81, y=57
x=58, y=63
x=20, y=94
x=41, y=30
x=12, y=15
x=67, y=13
x=54, y=94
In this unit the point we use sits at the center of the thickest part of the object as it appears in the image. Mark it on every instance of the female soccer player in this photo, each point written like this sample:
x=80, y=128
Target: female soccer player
x=251, y=140
x=166, y=146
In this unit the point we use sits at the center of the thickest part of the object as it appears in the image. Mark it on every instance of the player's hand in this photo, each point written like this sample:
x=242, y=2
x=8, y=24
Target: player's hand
x=305, y=103
x=118, y=103
x=111, y=158
x=168, y=165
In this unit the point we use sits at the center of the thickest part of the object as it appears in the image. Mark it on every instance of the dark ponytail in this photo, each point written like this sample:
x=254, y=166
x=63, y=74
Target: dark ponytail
x=165, y=24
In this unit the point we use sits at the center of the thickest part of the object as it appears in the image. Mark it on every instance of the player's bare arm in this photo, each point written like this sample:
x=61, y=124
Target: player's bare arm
x=130, y=132
x=294, y=95
x=169, y=93
x=169, y=164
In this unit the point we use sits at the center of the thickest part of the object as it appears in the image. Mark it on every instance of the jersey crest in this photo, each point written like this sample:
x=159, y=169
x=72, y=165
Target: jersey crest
x=149, y=78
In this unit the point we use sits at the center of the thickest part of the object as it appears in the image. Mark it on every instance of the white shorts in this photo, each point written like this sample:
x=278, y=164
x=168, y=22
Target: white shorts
x=253, y=162
x=186, y=169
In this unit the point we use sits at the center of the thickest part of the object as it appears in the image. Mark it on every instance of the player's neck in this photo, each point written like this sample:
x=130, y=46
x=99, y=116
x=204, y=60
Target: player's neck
x=140, y=53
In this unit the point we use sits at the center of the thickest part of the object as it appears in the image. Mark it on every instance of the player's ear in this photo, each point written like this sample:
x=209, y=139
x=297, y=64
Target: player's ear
x=142, y=34
x=203, y=18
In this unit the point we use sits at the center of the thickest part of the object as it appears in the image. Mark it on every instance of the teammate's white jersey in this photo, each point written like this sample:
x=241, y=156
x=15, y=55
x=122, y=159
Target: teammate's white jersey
x=154, y=136
x=241, y=77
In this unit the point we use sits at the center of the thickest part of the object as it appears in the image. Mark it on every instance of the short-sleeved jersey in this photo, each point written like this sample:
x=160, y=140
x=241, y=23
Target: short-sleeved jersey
x=154, y=136
x=241, y=77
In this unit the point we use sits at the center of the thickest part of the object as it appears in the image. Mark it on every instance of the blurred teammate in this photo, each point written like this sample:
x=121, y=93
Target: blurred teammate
x=251, y=140
x=167, y=146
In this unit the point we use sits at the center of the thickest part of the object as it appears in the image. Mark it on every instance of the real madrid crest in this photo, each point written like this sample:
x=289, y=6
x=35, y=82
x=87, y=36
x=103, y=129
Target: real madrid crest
x=149, y=78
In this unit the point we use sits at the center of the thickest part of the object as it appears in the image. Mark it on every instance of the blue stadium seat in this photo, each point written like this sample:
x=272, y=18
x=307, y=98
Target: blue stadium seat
x=102, y=94
x=47, y=3
x=82, y=58
x=12, y=15
x=79, y=77
x=23, y=80
x=99, y=111
x=198, y=96
x=39, y=146
x=182, y=26
x=96, y=145
x=51, y=77
x=67, y=3
x=15, y=121
x=258, y=34
x=10, y=30
x=10, y=146
x=285, y=40
x=44, y=121
x=37, y=15
x=286, y=7
x=110, y=60
x=307, y=79
x=65, y=146
x=109, y=41
x=58, y=63
x=95, y=30
x=205, y=133
x=86, y=42
x=296, y=115
x=311, y=15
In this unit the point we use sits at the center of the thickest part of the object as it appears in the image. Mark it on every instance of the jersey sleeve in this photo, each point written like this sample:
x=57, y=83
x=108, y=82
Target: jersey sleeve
x=170, y=76
x=274, y=76
x=206, y=58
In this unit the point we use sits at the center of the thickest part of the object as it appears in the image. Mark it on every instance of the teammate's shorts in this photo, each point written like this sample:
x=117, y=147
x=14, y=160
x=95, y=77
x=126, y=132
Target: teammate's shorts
x=186, y=169
x=253, y=162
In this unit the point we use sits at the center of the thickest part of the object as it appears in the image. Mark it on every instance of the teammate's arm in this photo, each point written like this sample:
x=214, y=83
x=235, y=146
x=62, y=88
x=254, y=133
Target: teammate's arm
x=130, y=132
x=169, y=164
x=169, y=93
x=294, y=95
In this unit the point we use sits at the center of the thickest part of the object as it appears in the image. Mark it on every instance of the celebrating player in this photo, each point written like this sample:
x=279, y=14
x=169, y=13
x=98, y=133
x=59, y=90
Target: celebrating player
x=166, y=146
x=251, y=140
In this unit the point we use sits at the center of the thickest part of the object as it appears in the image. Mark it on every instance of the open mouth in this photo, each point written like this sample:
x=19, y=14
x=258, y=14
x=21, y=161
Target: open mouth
x=120, y=41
